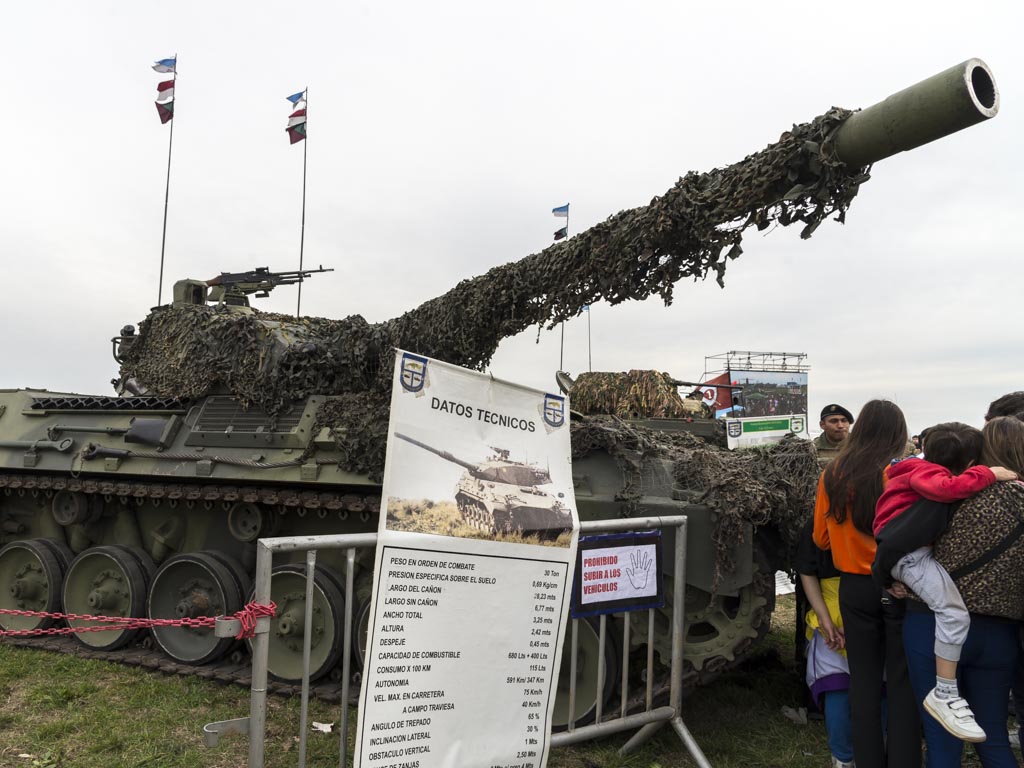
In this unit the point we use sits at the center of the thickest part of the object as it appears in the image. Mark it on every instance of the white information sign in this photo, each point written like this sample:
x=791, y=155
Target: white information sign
x=743, y=433
x=473, y=572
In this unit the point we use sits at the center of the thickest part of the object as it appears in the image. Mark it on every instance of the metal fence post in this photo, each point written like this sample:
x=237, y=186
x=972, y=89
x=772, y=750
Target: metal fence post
x=346, y=663
x=678, y=637
x=307, y=642
x=260, y=650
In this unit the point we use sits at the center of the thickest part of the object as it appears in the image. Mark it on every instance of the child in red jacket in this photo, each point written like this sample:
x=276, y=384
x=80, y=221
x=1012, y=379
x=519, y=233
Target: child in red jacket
x=948, y=473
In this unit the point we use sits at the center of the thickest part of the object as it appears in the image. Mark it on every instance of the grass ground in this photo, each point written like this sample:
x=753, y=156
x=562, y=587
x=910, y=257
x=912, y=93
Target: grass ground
x=444, y=518
x=57, y=712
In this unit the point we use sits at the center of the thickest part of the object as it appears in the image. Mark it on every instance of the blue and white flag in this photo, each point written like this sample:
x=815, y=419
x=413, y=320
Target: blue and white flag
x=166, y=65
x=295, y=98
x=561, y=212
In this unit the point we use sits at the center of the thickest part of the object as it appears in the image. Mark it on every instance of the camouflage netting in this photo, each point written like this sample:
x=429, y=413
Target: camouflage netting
x=766, y=485
x=634, y=394
x=360, y=427
x=263, y=359
x=693, y=229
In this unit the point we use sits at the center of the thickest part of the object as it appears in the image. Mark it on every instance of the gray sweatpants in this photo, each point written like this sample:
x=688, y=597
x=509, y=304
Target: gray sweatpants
x=930, y=582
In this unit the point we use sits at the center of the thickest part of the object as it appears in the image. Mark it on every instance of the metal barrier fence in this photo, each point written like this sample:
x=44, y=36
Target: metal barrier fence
x=648, y=722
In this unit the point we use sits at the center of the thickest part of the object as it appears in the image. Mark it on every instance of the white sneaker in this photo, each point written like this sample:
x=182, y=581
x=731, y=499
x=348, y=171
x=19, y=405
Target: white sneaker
x=837, y=763
x=955, y=716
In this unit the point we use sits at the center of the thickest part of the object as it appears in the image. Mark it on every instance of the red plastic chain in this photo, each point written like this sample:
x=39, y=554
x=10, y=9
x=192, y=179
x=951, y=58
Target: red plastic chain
x=247, y=617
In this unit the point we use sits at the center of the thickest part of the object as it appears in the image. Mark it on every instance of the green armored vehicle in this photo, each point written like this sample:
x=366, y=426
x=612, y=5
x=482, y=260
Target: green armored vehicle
x=232, y=424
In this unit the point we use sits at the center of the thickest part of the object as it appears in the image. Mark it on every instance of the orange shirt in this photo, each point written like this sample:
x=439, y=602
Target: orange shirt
x=852, y=551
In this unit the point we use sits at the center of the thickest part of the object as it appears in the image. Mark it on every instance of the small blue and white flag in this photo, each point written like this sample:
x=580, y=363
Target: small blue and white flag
x=561, y=212
x=166, y=65
x=295, y=98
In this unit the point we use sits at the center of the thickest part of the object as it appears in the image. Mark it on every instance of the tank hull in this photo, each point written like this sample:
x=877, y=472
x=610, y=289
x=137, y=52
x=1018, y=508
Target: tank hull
x=210, y=478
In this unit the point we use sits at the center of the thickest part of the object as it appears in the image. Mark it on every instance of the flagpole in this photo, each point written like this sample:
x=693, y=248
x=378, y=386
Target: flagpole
x=167, y=189
x=561, y=349
x=302, y=235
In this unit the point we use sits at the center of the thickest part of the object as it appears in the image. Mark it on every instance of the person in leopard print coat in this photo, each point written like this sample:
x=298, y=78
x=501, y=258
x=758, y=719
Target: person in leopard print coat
x=983, y=551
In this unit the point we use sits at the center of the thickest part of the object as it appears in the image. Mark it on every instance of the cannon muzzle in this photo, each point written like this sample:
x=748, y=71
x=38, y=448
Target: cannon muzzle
x=945, y=103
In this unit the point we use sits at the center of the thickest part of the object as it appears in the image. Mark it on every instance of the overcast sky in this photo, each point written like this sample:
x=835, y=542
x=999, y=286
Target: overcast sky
x=441, y=136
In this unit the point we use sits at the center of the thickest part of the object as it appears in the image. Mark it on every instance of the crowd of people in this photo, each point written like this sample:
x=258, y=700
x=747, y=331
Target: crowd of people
x=913, y=571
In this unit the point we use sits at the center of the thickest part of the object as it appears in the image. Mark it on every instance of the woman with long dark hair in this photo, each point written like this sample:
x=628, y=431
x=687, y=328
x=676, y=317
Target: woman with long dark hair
x=844, y=512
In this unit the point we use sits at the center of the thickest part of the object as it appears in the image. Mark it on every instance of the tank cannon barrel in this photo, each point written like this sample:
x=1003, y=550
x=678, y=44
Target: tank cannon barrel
x=437, y=451
x=811, y=173
x=950, y=101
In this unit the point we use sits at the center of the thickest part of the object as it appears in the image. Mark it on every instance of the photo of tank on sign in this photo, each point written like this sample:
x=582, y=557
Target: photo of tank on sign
x=494, y=498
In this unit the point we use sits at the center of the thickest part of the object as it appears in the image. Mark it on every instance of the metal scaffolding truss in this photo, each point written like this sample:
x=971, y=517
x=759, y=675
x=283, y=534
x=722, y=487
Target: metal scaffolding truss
x=748, y=360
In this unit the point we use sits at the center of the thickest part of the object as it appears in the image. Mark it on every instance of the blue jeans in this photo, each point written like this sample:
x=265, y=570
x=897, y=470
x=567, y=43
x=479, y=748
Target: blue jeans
x=838, y=725
x=985, y=673
x=1018, y=685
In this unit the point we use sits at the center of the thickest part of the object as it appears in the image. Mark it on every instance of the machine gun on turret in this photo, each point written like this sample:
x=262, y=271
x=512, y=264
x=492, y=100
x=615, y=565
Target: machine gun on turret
x=235, y=288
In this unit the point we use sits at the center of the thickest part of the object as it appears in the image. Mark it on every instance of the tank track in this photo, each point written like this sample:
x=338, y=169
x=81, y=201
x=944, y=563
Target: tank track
x=233, y=669
x=475, y=514
x=204, y=492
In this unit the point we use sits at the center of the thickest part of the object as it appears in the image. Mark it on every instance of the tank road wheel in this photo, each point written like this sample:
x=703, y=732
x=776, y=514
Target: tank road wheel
x=107, y=581
x=475, y=514
x=361, y=635
x=31, y=573
x=288, y=591
x=248, y=522
x=465, y=510
x=721, y=629
x=62, y=551
x=587, y=661
x=188, y=586
x=237, y=570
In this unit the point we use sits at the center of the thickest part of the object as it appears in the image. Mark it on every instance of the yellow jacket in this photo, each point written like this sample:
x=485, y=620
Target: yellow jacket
x=830, y=593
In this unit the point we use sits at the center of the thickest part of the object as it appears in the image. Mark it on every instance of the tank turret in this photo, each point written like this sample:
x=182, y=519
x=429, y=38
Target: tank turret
x=499, y=495
x=811, y=173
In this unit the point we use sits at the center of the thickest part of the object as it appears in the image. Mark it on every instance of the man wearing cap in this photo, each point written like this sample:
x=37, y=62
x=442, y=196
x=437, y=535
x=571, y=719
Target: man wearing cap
x=835, y=427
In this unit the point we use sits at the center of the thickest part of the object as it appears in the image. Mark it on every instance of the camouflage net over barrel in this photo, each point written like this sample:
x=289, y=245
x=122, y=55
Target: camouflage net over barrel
x=693, y=229
x=636, y=394
x=773, y=484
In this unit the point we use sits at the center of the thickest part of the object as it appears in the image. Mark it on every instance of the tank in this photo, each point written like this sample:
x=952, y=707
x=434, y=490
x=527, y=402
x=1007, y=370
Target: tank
x=231, y=424
x=500, y=496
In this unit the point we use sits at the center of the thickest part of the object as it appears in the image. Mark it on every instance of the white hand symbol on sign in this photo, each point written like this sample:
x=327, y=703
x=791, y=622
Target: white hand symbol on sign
x=640, y=571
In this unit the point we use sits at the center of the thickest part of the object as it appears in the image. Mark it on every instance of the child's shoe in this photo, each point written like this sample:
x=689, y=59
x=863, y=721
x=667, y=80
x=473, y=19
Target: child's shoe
x=955, y=716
